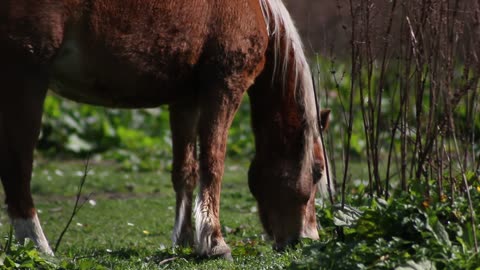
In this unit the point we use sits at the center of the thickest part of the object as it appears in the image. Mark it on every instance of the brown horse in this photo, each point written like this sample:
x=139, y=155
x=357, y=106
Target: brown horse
x=198, y=56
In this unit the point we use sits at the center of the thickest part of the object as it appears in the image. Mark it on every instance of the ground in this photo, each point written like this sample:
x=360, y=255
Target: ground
x=128, y=219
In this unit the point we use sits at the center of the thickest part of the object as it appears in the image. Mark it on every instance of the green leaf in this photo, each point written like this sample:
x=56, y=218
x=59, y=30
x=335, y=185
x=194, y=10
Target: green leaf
x=442, y=234
x=346, y=217
x=10, y=263
x=423, y=265
x=28, y=264
x=3, y=256
x=72, y=123
x=77, y=144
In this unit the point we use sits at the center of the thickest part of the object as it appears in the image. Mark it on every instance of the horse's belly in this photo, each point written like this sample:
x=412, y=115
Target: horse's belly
x=130, y=94
x=96, y=93
x=97, y=77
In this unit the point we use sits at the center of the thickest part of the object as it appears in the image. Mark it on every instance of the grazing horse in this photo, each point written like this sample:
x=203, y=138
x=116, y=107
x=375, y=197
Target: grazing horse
x=198, y=56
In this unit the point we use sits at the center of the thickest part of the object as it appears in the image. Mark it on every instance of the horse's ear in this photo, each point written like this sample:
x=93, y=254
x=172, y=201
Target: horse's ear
x=325, y=118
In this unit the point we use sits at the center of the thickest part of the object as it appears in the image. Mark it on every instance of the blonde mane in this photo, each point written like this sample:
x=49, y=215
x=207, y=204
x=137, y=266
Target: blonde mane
x=281, y=29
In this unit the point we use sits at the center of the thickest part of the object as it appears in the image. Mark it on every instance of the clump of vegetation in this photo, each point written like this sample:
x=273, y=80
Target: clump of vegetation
x=137, y=139
x=406, y=101
x=26, y=256
x=409, y=231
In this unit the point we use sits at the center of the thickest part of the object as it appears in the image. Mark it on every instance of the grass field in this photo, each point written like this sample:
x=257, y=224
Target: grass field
x=127, y=222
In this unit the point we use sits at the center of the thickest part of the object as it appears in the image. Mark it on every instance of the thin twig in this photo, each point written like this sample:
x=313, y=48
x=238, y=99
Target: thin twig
x=77, y=206
x=167, y=261
x=8, y=245
x=352, y=87
x=320, y=130
x=467, y=188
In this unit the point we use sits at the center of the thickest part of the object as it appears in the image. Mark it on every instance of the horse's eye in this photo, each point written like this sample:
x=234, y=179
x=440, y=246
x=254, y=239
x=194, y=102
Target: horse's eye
x=317, y=172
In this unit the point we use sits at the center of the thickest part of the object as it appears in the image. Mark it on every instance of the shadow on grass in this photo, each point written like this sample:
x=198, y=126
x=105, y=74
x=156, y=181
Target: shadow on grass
x=159, y=257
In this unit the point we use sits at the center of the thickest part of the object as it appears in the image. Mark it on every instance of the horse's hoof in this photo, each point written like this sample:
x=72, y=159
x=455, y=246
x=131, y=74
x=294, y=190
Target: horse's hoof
x=48, y=252
x=222, y=252
x=227, y=257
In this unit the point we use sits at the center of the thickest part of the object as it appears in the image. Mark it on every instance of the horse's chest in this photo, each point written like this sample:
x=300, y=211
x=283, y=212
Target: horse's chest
x=120, y=78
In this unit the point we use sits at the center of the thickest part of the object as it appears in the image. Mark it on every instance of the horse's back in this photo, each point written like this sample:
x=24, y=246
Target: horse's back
x=130, y=53
x=135, y=53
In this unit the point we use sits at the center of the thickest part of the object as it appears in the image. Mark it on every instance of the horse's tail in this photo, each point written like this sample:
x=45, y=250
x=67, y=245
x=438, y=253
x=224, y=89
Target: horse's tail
x=291, y=69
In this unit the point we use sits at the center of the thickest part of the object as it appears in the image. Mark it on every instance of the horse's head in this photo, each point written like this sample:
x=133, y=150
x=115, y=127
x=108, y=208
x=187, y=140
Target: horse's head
x=285, y=189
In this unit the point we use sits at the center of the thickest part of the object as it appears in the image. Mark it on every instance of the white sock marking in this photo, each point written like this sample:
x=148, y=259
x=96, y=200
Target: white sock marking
x=31, y=228
x=203, y=226
x=179, y=222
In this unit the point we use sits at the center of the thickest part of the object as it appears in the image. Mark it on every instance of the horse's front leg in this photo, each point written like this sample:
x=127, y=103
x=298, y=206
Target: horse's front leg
x=218, y=106
x=21, y=104
x=184, y=122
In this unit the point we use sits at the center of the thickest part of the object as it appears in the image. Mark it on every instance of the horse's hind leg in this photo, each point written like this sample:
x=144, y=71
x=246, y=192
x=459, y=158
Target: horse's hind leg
x=21, y=100
x=183, y=122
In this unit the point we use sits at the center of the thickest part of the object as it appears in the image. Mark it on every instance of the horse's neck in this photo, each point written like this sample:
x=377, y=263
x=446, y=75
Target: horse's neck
x=278, y=113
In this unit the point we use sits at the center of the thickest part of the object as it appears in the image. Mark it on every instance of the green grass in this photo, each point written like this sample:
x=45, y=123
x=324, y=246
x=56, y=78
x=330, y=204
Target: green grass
x=128, y=222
